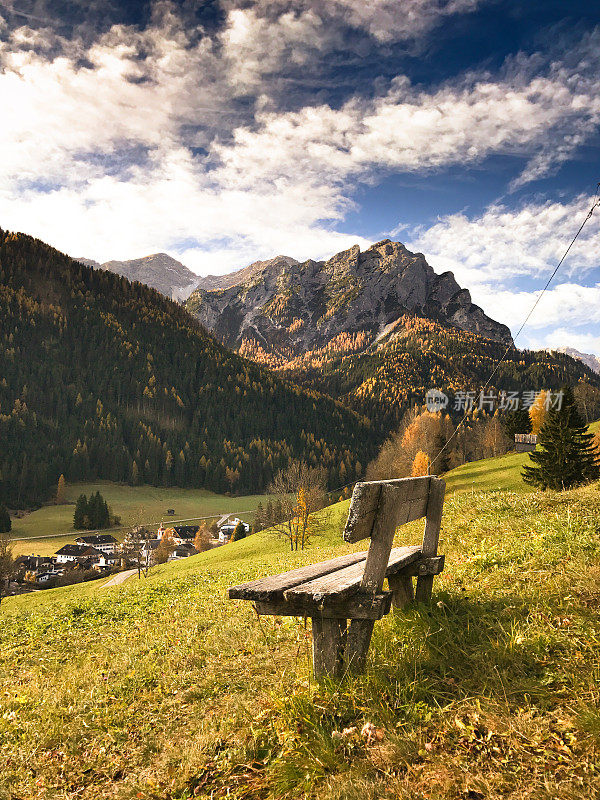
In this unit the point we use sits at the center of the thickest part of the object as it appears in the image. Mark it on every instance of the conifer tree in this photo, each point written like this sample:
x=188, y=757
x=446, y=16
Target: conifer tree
x=517, y=421
x=81, y=513
x=5, y=521
x=565, y=456
x=61, y=491
x=239, y=532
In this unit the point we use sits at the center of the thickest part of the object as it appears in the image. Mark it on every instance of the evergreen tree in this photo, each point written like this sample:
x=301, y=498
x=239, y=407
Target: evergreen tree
x=5, y=521
x=239, y=532
x=517, y=421
x=81, y=515
x=566, y=456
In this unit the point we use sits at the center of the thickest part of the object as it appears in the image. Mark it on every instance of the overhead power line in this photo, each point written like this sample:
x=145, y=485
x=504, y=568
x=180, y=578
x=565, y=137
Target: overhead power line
x=594, y=206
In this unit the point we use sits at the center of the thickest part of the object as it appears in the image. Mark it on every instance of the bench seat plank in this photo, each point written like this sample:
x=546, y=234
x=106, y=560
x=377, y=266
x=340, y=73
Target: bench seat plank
x=359, y=606
x=342, y=583
x=273, y=587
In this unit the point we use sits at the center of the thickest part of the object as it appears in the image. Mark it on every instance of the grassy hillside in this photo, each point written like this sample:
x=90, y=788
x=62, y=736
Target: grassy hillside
x=165, y=689
x=493, y=473
x=134, y=504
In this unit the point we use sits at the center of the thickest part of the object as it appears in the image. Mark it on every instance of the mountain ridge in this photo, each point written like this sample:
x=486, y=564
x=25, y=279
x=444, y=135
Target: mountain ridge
x=160, y=271
x=295, y=307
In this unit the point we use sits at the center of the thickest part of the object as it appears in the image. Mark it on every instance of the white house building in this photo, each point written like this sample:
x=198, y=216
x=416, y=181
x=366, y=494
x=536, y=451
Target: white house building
x=76, y=552
x=99, y=541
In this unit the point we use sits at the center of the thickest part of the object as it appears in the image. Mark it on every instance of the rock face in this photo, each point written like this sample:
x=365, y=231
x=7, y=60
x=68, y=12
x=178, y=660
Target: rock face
x=590, y=360
x=160, y=271
x=285, y=309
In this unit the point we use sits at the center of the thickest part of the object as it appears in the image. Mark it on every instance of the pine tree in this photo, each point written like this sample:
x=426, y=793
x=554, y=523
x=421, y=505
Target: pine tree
x=239, y=532
x=61, y=491
x=5, y=521
x=81, y=513
x=566, y=455
x=517, y=421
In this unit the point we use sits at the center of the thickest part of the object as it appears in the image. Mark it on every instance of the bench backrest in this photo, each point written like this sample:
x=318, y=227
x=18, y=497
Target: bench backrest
x=379, y=507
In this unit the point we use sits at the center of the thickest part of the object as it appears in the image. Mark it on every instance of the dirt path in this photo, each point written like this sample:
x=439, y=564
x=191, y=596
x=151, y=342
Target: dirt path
x=118, y=579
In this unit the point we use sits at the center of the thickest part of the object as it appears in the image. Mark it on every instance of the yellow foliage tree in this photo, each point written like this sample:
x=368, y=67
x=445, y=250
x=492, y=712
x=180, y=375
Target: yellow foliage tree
x=538, y=411
x=420, y=464
x=61, y=491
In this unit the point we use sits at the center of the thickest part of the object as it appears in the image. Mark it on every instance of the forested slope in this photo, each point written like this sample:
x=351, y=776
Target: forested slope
x=102, y=378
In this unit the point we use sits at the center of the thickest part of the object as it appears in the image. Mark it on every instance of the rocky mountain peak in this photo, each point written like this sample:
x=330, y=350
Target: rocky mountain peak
x=286, y=307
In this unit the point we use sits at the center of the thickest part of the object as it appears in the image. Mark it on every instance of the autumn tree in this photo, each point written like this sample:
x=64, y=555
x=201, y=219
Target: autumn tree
x=7, y=564
x=299, y=491
x=202, y=538
x=136, y=549
x=494, y=440
x=165, y=548
x=420, y=465
x=61, y=491
x=538, y=411
x=588, y=400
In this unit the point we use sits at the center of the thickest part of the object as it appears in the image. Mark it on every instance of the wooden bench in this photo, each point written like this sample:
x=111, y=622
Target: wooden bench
x=350, y=587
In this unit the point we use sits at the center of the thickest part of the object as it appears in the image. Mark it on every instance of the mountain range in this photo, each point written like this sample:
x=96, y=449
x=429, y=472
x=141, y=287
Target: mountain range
x=288, y=309
x=374, y=330
x=101, y=378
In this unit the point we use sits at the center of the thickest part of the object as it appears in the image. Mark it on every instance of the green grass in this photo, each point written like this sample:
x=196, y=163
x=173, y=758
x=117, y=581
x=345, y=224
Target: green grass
x=134, y=504
x=163, y=688
x=493, y=473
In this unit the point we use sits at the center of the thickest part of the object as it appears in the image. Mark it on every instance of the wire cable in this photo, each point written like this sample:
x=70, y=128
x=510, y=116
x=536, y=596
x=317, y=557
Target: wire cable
x=594, y=206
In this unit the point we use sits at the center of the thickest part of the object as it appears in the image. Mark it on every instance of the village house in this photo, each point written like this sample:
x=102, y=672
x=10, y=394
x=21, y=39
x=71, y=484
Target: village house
x=76, y=552
x=99, y=541
x=181, y=534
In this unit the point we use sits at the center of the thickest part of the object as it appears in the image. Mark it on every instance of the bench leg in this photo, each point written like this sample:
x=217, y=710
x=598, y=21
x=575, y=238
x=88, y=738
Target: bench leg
x=329, y=638
x=424, y=588
x=357, y=645
x=402, y=587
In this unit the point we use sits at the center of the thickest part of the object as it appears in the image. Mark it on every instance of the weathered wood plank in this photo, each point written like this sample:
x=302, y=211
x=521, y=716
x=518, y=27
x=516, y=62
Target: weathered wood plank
x=411, y=496
x=358, y=639
x=329, y=637
x=274, y=586
x=343, y=583
x=431, y=536
x=402, y=590
x=355, y=607
x=363, y=510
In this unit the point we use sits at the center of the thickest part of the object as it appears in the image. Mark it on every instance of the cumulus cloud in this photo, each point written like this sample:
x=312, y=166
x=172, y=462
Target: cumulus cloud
x=503, y=244
x=172, y=137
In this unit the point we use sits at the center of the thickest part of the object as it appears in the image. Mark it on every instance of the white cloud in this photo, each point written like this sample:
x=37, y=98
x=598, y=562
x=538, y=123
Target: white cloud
x=385, y=20
x=502, y=244
x=282, y=180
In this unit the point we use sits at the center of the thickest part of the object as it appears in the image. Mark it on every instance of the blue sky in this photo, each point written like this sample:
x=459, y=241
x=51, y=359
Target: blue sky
x=227, y=131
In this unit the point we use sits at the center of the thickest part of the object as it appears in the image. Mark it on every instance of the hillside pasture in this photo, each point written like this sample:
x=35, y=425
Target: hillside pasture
x=163, y=688
x=48, y=528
